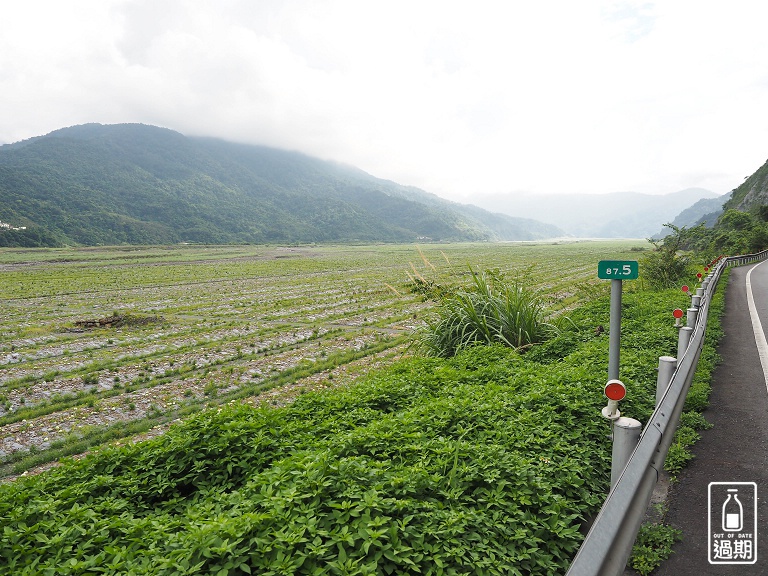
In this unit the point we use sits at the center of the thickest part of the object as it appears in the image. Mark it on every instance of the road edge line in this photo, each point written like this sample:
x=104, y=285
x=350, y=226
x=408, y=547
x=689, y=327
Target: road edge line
x=757, y=326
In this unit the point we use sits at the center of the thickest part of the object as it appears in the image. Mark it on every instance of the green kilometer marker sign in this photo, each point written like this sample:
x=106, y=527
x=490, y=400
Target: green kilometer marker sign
x=618, y=270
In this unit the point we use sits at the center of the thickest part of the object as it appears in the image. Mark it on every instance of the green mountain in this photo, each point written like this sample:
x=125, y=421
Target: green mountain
x=752, y=193
x=137, y=184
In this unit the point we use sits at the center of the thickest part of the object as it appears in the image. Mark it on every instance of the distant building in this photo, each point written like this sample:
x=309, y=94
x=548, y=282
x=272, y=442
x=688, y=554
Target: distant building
x=6, y=226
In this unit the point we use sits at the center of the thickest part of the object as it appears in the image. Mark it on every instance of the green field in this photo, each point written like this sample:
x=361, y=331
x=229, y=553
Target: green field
x=297, y=429
x=204, y=325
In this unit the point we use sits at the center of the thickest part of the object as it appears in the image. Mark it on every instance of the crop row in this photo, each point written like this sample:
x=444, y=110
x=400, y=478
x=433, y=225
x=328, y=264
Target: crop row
x=206, y=325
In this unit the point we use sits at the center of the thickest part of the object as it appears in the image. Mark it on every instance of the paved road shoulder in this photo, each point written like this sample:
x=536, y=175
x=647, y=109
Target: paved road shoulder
x=736, y=448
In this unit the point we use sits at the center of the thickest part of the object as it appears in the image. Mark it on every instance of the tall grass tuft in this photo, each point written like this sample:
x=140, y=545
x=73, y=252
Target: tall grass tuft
x=491, y=311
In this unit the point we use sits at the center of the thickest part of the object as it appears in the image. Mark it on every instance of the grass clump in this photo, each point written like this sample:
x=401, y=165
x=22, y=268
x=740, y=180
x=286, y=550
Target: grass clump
x=653, y=546
x=490, y=311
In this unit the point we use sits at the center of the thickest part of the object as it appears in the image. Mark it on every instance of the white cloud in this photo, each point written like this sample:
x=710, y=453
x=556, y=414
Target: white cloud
x=460, y=99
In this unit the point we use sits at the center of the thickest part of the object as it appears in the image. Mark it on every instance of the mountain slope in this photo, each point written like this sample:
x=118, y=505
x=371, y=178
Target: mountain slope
x=753, y=192
x=706, y=211
x=131, y=183
x=747, y=197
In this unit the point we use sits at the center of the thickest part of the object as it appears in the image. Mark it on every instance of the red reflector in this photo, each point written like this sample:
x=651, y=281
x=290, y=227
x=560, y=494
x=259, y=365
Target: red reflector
x=615, y=390
x=677, y=313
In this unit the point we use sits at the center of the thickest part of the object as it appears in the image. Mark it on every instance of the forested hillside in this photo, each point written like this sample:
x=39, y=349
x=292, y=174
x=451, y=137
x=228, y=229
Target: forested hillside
x=741, y=227
x=136, y=184
x=753, y=192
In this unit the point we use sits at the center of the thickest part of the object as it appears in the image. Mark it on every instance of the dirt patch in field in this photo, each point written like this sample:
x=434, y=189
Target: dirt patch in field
x=116, y=321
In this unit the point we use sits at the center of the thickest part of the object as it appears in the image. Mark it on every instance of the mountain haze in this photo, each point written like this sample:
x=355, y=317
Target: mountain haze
x=137, y=184
x=616, y=215
x=747, y=197
x=706, y=211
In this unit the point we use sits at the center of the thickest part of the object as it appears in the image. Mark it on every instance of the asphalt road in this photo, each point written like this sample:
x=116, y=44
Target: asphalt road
x=736, y=448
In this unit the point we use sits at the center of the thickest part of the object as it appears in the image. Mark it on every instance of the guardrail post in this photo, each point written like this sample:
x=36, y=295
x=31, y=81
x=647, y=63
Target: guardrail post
x=626, y=434
x=695, y=301
x=667, y=365
x=691, y=317
x=683, y=339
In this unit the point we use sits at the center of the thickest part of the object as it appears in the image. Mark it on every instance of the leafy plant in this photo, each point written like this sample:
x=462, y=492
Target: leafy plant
x=677, y=458
x=490, y=311
x=653, y=546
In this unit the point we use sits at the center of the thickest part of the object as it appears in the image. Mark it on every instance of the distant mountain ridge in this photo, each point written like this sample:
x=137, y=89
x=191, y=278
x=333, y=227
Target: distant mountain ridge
x=616, y=215
x=748, y=196
x=706, y=211
x=138, y=184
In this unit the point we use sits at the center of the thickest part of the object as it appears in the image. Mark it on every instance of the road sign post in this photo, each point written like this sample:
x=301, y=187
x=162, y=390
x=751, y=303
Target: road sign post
x=624, y=431
x=614, y=333
x=616, y=271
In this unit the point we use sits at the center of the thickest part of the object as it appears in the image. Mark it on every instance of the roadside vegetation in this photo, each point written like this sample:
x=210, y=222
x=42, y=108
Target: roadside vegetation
x=735, y=232
x=309, y=435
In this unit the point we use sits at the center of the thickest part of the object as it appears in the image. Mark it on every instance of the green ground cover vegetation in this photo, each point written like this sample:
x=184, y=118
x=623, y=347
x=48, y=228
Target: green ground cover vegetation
x=489, y=461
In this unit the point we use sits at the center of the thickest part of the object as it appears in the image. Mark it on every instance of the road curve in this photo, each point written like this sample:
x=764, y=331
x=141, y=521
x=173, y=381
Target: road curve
x=736, y=448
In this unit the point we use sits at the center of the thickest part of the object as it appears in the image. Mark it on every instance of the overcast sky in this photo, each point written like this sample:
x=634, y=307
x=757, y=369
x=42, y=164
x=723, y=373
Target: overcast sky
x=460, y=98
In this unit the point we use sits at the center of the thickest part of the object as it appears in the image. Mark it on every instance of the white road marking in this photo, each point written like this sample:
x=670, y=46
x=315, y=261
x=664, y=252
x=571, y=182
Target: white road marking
x=757, y=326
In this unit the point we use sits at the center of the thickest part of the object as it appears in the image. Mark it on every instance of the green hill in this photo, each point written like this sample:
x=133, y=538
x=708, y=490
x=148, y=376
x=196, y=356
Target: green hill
x=752, y=193
x=137, y=184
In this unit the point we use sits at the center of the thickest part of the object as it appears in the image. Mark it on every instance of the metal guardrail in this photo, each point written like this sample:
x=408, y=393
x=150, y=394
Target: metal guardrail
x=607, y=546
x=747, y=258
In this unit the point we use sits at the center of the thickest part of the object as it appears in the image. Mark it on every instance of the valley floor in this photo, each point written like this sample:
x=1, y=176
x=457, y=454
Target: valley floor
x=105, y=345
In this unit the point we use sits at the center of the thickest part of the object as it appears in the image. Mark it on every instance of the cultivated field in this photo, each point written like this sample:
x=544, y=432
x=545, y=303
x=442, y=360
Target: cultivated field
x=105, y=344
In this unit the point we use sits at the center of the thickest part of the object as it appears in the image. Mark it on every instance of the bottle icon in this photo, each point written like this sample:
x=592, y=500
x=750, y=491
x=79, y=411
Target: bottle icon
x=733, y=512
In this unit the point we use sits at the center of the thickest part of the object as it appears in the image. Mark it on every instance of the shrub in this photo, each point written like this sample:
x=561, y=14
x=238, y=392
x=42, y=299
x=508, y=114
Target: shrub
x=473, y=465
x=667, y=265
x=491, y=311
